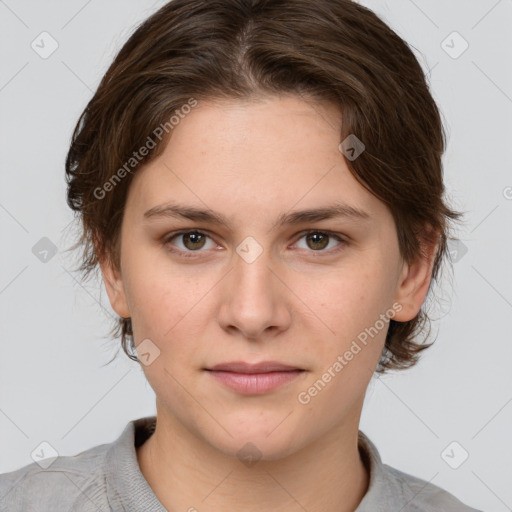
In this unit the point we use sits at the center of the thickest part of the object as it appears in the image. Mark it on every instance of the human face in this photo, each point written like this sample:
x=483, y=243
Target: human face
x=255, y=290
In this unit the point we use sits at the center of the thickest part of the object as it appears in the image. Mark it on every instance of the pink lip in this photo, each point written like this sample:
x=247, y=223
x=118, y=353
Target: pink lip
x=263, y=367
x=254, y=379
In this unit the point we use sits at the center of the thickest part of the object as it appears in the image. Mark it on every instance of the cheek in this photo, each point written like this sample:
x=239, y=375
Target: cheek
x=161, y=294
x=172, y=311
x=349, y=305
x=167, y=312
x=349, y=299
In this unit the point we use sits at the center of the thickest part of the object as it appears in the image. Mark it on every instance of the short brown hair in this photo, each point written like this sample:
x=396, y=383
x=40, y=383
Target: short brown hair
x=330, y=50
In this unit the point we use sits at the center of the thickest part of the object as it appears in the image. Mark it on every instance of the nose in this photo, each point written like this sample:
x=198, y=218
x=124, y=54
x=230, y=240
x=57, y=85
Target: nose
x=255, y=301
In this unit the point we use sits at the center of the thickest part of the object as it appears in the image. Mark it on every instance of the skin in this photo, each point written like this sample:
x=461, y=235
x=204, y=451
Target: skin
x=301, y=303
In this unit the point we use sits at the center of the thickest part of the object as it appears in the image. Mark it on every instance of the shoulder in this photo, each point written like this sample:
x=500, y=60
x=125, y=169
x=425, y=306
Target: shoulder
x=392, y=489
x=422, y=496
x=73, y=482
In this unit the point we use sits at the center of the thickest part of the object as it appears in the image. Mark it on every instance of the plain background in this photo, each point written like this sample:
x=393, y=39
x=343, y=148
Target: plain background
x=54, y=385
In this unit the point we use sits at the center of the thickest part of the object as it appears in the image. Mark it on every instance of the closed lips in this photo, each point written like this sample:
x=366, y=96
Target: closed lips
x=263, y=367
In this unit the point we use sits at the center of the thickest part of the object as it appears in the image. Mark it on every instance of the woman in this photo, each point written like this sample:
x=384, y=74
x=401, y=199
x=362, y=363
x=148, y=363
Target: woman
x=260, y=183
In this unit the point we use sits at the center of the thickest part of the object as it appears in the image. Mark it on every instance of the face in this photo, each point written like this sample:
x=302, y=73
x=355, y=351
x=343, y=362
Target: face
x=314, y=292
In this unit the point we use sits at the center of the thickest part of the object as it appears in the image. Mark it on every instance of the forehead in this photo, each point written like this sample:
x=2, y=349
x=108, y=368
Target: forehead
x=253, y=156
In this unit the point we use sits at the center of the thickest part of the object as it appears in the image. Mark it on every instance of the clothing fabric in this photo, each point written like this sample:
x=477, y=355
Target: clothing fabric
x=107, y=478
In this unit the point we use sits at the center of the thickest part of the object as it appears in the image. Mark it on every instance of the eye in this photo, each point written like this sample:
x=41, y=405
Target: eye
x=319, y=240
x=193, y=241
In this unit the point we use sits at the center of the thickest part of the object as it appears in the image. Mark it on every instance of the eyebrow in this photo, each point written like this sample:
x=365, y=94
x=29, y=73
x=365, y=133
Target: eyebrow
x=337, y=210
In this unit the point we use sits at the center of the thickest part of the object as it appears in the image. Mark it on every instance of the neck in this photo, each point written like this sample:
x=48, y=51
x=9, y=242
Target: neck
x=186, y=473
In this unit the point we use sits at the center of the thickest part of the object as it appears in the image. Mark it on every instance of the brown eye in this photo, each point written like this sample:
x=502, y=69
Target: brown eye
x=317, y=240
x=193, y=240
x=188, y=242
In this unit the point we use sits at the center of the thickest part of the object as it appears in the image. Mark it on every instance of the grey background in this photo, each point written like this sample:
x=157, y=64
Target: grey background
x=53, y=385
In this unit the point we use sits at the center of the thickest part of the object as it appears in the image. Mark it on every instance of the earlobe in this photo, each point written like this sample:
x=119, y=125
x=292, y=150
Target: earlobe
x=414, y=283
x=114, y=285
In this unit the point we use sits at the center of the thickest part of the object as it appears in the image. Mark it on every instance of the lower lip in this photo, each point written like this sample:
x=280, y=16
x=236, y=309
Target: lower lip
x=254, y=383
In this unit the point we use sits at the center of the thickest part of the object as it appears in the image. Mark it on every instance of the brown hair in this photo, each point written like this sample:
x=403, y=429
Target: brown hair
x=329, y=50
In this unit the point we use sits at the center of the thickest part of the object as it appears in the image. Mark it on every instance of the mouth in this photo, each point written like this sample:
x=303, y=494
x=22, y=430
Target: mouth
x=263, y=367
x=254, y=379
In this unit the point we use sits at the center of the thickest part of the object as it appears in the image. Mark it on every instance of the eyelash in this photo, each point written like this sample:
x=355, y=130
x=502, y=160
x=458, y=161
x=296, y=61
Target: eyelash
x=190, y=254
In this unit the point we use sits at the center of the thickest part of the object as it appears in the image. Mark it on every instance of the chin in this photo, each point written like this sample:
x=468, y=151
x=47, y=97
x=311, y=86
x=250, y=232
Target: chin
x=254, y=444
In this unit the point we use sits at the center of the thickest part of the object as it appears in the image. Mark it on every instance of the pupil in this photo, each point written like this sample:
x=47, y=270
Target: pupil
x=191, y=236
x=315, y=235
x=318, y=240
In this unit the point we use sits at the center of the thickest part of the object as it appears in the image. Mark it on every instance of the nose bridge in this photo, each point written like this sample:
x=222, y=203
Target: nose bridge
x=252, y=301
x=252, y=274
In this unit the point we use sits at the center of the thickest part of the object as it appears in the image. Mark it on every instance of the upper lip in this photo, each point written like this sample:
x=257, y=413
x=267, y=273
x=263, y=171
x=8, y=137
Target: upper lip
x=262, y=367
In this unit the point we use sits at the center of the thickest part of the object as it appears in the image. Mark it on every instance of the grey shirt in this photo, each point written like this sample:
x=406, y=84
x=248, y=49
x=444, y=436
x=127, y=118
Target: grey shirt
x=108, y=478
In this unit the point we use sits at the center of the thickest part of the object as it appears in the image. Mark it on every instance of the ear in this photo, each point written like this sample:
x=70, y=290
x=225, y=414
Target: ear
x=415, y=279
x=115, y=287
